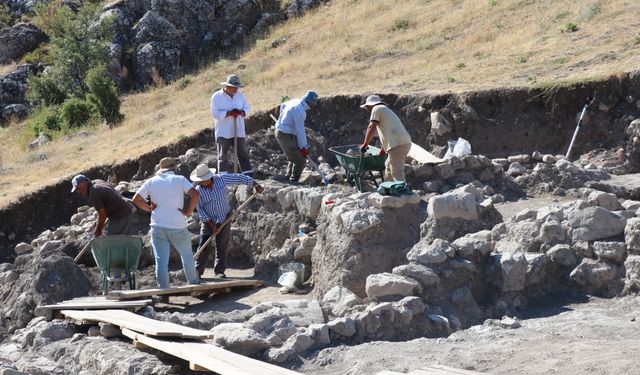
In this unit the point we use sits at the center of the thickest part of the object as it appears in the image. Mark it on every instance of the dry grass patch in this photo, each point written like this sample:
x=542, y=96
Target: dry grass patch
x=7, y=68
x=363, y=46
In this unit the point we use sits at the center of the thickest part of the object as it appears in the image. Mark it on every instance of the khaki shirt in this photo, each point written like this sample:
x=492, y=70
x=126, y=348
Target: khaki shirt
x=390, y=129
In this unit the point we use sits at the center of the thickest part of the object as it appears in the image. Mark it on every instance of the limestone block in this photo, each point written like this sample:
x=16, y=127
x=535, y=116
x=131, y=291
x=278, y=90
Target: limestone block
x=594, y=223
x=427, y=254
x=605, y=200
x=439, y=124
x=615, y=252
x=424, y=275
x=359, y=221
x=388, y=284
x=563, y=255
x=593, y=275
x=344, y=327
x=453, y=205
x=339, y=300
x=468, y=246
x=238, y=339
x=513, y=270
x=632, y=235
x=23, y=248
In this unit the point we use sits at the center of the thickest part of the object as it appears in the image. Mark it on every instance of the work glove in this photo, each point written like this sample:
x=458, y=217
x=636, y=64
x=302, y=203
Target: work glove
x=304, y=152
x=233, y=113
x=240, y=112
x=381, y=153
x=363, y=148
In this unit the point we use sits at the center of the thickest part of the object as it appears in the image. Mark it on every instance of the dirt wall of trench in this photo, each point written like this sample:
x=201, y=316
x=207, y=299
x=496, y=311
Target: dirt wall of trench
x=497, y=123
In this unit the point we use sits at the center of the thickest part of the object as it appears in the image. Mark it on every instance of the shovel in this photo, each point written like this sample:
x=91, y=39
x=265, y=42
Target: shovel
x=589, y=101
x=310, y=161
x=225, y=223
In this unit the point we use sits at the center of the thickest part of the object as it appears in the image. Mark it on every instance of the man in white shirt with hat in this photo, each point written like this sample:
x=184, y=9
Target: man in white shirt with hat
x=396, y=141
x=213, y=209
x=168, y=219
x=229, y=107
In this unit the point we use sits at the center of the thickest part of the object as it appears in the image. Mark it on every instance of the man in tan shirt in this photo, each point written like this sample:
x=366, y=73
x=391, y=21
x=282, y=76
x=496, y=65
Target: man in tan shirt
x=396, y=141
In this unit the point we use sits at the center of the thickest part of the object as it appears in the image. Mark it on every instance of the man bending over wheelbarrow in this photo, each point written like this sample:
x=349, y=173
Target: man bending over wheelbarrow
x=396, y=141
x=168, y=219
x=213, y=208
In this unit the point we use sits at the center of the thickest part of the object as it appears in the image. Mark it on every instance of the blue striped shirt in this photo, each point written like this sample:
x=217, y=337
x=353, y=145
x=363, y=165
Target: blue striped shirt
x=214, y=203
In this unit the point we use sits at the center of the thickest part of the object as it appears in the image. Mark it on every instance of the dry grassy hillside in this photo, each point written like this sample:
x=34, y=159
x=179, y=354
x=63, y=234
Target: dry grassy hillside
x=360, y=46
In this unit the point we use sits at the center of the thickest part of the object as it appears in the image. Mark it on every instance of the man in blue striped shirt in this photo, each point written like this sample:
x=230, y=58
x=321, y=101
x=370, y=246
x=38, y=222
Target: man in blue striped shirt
x=213, y=209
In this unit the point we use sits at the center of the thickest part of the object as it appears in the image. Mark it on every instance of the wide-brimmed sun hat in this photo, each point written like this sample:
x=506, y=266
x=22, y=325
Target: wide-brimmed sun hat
x=372, y=100
x=77, y=180
x=202, y=173
x=233, y=81
x=167, y=164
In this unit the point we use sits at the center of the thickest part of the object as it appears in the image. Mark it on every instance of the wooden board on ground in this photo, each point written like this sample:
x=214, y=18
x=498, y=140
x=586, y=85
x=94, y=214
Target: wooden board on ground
x=137, y=323
x=203, y=288
x=89, y=303
x=201, y=355
x=423, y=156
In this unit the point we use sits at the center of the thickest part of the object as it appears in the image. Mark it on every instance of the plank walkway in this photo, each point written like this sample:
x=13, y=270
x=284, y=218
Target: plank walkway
x=89, y=303
x=206, y=357
x=204, y=288
x=433, y=370
x=137, y=323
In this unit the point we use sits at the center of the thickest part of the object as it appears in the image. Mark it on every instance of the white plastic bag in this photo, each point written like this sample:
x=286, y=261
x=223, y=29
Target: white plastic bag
x=458, y=148
x=288, y=280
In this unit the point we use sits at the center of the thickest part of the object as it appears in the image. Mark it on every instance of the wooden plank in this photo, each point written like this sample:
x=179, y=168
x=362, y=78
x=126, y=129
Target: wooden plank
x=51, y=311
x=138, y=323
x=196, y=367
x=210, y=357
x=423, y=156
x=183, y=289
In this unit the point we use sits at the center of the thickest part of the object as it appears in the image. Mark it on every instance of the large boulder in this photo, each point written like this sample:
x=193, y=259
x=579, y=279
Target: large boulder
x=19, y=39
x=356, y=240
x=614, y=252
x=596, y=223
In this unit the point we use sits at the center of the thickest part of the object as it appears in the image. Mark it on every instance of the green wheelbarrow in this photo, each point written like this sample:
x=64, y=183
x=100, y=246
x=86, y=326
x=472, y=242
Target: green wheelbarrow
x=117, y=257
x=360, y=167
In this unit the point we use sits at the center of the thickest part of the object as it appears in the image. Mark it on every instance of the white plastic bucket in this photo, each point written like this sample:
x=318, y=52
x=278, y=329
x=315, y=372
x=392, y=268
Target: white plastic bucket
x=295, y=267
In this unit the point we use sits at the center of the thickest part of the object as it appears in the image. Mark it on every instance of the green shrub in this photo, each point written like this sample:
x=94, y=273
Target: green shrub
x=75, y=113
x=400, y=24
x=570, y=27
x=43, y=90
x=103, y=95
x=45, y=120
x=38, y=55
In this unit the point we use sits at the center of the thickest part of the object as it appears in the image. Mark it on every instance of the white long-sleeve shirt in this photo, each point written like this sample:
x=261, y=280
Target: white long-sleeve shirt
x=221, y=103
x=291, y=120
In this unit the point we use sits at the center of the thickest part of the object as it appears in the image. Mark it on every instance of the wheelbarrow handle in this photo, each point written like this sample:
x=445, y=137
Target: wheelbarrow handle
x=86, y=247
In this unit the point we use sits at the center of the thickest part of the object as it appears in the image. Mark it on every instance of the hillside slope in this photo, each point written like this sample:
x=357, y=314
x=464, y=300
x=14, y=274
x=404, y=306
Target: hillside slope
x=359, y=46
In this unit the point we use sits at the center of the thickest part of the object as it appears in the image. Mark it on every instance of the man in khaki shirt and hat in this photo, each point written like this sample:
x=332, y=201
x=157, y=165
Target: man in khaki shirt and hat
x=396, y=141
